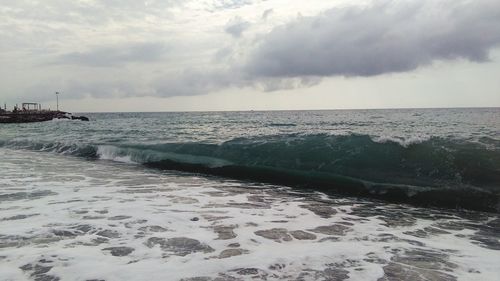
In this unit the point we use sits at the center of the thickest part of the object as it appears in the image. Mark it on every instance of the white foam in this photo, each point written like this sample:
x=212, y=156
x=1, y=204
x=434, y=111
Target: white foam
x=97, y=193
x=112, y=153
x=405, y=142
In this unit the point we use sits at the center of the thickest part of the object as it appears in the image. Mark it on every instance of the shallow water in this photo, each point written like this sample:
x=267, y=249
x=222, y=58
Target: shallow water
x=66, y=218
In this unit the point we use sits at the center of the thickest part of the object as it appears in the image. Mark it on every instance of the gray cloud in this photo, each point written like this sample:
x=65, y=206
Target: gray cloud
x=383, y=37
x=230, y=4
x=198, y=81
x=267, y=13
x=74, y=88
x=236, y=26
x=116, y=55
x=98, y=12
x=388, y=36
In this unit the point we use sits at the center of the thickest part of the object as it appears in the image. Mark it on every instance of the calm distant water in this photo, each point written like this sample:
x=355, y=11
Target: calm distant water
x=439, y=156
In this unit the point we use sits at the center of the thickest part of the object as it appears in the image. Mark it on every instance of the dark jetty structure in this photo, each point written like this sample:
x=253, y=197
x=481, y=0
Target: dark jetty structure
x=33, y=112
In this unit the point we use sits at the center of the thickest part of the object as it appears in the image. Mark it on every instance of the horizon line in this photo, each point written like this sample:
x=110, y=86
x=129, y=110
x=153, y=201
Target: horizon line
x=272, y=110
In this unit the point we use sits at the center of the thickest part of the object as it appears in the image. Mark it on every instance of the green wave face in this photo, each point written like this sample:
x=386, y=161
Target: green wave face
x=432, y=163
x=437, y=171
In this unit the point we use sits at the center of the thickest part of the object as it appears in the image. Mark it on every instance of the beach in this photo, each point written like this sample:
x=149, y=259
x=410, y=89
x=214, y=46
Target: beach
x=112, y=221
x=230, y=140
x=82, y=201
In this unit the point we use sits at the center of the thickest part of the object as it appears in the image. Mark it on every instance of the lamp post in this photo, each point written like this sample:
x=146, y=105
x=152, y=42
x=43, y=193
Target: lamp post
x=57, y=100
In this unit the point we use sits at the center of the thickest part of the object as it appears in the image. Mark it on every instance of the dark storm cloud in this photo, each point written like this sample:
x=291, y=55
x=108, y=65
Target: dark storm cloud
x=389, y=36
x=236, y=27
x=116, y=55
x=385, y=37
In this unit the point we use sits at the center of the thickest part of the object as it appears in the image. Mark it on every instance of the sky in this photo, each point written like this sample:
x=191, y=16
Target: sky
x=173, y=55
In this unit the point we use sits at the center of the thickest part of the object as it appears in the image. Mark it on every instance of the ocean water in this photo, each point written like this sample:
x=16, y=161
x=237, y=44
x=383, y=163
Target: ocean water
x=410, y=194
x=440, y=157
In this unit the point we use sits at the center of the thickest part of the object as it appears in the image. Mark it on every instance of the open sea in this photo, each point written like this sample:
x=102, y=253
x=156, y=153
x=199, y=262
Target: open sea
x=400, y=194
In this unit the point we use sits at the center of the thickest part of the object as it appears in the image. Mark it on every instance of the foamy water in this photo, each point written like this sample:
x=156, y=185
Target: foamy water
x=64, y=218
x=440, y=157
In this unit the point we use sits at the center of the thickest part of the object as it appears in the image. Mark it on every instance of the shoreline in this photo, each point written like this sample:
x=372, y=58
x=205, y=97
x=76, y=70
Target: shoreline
x=62, y=216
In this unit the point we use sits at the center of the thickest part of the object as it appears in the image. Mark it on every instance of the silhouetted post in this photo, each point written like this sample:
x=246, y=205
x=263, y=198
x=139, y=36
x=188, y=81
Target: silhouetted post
x=57, y=100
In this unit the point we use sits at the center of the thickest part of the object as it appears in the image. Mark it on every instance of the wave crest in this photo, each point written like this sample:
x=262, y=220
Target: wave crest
x=428, y=170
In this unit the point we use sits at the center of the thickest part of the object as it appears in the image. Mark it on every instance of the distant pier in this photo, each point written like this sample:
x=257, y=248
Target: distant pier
x=33, y=112
x=28, y=117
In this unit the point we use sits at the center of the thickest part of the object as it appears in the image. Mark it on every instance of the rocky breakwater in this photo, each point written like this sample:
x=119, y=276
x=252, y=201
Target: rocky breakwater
x=36, y=116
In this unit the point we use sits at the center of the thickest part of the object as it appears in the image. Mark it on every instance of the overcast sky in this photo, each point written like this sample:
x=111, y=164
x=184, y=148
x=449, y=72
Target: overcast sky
x=169, y=55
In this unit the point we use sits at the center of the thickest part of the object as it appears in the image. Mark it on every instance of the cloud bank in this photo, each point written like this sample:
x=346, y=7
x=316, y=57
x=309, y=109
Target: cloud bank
x=355, y=41
x=180, y=48
x=389, y=36
x=113, y=56
x=236, y=26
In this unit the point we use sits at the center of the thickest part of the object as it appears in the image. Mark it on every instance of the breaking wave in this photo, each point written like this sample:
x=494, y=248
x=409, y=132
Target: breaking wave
x=430, y=171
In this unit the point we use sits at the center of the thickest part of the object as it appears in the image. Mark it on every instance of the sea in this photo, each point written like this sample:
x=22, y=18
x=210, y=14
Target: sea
x=388, y=194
